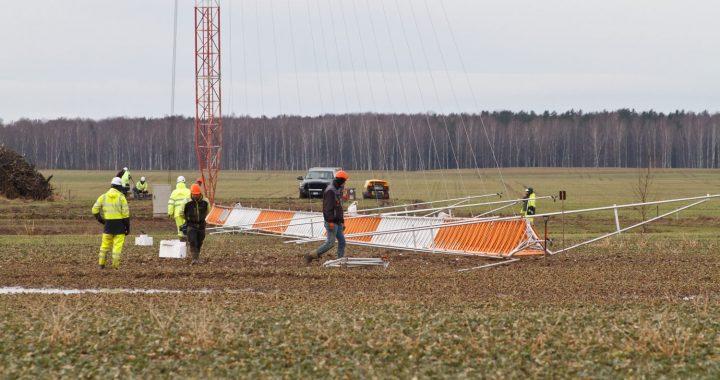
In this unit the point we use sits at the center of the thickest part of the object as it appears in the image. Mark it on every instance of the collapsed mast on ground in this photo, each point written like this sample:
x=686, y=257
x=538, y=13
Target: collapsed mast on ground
x=208, y=96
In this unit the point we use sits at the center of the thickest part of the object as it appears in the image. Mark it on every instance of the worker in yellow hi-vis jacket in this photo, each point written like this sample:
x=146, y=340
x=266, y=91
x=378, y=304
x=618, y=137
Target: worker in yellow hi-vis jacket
x=529, y=204
x=111, y=209
x=176, y=203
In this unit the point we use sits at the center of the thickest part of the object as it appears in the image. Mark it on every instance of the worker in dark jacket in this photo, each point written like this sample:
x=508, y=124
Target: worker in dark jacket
x=333, y=215
x=195, y=212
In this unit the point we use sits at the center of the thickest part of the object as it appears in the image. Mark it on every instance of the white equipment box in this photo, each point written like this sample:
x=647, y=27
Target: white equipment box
x=144, y=240
x=174, y=249
x=160, y=197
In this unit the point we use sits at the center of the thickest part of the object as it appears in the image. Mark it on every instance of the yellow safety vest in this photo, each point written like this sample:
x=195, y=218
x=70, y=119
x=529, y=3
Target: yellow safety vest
x=531, y=200
x=142, y=186
x=126, y=178
x=113, y=205
x=177, y=200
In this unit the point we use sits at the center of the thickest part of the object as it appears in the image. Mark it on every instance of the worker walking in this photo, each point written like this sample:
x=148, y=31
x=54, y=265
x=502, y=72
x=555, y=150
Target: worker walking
x=529, y=204
x=333, y=216
x=195, y=211
x=177, y=200
x=141, y=189
x=111, y=210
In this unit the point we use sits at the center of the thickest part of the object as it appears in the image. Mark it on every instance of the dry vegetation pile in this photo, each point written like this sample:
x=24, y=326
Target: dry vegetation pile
x=20, y=179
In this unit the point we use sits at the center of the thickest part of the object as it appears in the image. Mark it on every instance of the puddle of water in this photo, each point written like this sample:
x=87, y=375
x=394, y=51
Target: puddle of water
x=21, y=290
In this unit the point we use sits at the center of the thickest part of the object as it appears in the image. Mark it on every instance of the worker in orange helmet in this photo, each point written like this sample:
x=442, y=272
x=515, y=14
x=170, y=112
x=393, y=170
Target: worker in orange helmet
x=333, y=215
x=195, y=212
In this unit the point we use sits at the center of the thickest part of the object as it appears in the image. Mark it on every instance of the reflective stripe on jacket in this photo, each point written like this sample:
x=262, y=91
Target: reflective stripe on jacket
x=112, y=205
x=142, y=186
x=114, y=209
x=177, y=200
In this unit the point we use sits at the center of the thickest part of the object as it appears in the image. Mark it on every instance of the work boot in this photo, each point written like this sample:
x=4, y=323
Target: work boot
x=195, y=257
x=309, y=257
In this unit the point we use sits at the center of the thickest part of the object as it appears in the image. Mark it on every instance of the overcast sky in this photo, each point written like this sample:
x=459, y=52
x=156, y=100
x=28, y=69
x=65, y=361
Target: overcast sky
x=103, y=58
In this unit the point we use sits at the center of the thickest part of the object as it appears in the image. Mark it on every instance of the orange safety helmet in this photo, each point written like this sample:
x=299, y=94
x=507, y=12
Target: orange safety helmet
x=199, y=180
x=342, y=174
x=195, y=189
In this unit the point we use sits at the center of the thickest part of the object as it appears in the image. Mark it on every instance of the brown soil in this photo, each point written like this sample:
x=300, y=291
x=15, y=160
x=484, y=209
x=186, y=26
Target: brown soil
x=632, y=268
x=265, y=267
x=71, y=218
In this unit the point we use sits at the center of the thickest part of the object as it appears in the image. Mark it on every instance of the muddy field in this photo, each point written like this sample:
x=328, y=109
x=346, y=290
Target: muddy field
x=639, y=305
x=60, y=244
x=639, y=269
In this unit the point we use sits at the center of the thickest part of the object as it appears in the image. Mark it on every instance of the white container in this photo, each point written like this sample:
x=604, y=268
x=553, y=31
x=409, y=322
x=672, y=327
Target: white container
x=160, y=197
x=174, y=249
x=144, y=240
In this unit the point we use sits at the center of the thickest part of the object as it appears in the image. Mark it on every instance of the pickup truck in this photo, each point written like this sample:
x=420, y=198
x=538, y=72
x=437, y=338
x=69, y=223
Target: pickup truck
x=315, y=181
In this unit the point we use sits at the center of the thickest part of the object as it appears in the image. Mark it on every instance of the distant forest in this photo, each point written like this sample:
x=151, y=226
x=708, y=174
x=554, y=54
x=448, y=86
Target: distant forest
x=622, y=138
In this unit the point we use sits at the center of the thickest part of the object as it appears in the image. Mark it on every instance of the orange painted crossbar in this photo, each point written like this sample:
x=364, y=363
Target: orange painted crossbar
x=485, y=238
x=218, y=215
x=361, y=225
x=266, y=218
x=500, y=238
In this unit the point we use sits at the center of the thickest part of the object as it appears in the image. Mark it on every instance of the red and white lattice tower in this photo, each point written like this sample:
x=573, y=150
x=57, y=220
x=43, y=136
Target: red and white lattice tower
x=208, y=109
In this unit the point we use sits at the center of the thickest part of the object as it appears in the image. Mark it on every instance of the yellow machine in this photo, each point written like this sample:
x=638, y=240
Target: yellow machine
x=376, y=189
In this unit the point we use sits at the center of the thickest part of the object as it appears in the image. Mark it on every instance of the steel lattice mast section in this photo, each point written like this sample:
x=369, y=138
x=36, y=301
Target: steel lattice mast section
x=208, y=109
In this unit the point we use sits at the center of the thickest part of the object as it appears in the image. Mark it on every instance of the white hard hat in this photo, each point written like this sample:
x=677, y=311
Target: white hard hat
x=125, y=168
x=181, y=179
x=142, y=179
x=116, y=181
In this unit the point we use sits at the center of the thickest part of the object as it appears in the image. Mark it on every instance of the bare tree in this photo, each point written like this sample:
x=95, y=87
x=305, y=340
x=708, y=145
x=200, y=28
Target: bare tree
x=643, y=192
x=622, y=138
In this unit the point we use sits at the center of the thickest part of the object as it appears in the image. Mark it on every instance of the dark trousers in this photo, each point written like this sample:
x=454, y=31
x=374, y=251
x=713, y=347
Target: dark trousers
x=139, y=193
x=195, y=237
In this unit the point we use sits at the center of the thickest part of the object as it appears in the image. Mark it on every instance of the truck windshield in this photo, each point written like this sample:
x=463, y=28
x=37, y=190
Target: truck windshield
x=319, y=175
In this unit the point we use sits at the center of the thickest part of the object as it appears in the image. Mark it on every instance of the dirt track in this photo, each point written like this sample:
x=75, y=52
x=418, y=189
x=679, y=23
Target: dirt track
x=618, y=272
x=61, y=251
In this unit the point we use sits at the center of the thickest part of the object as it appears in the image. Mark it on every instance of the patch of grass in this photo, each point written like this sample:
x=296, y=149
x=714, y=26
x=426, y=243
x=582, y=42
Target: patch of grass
x=277, y=189
x=232, y=335
x=586, y=187
x=637, y=305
